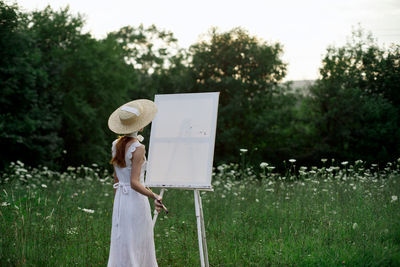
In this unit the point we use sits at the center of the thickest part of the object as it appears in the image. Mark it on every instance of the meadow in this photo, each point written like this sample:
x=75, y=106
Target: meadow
x=340, y=214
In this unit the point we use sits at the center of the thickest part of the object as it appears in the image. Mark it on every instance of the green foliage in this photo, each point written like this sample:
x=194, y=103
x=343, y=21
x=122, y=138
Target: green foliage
x=58, y=88
x=29, y=118
x=245, y=71
x=354, y=105
x=59, y=85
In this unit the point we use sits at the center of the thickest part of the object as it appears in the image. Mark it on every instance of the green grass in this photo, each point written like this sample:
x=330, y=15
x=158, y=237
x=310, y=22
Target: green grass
x=336, y=216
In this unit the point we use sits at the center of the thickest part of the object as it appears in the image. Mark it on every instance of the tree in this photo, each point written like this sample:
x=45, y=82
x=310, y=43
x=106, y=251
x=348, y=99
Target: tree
x=354, y=102
x=59, y=86
x=29, y=117
x=152, y=52
x=245, y=70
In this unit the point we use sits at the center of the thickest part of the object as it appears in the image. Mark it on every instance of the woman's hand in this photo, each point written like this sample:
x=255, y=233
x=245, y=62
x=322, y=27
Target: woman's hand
x=158, y=205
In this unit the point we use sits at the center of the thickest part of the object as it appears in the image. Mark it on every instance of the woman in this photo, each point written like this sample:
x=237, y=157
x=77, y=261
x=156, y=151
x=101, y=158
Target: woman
x=132, y=237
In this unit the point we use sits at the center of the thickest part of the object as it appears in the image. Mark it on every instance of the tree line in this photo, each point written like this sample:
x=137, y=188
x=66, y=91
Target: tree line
x=59, y=85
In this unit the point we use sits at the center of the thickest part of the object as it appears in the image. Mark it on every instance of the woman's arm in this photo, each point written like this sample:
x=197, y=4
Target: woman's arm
x=137, y=161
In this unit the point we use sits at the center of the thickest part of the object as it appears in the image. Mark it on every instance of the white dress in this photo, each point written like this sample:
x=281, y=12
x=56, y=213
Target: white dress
x=132, y=237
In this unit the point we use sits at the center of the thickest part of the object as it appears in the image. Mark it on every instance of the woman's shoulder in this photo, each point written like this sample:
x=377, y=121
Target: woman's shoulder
x=135, y=148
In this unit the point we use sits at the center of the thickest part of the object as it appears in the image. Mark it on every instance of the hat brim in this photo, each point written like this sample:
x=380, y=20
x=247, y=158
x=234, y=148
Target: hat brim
x=149, y=111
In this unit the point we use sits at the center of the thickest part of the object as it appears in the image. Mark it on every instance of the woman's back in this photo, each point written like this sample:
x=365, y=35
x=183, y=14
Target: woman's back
x=124, y=173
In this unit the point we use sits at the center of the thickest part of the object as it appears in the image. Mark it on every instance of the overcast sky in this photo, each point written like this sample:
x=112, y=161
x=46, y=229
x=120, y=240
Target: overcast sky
x=304, y=28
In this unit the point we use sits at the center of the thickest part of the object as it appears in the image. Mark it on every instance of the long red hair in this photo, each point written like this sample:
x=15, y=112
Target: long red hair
x=119, y=157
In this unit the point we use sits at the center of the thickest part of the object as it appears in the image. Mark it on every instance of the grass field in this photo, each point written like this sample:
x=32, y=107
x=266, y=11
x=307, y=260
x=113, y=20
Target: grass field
x=341, y=215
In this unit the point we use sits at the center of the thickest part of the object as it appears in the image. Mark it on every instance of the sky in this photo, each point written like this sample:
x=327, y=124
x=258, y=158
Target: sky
x=304, y=28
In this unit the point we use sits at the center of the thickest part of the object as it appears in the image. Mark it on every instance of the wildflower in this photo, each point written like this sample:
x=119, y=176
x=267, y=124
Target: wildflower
x=88, y=210
x=270, y=168
x=344, y=163
x=44, y=186
x=263, y=165
x=243, y=150
x=72, y=231
x=394, y=198
x=70, y=168
x=3, y=204
x=324, y=160
x=292, y=160
x=355, y=225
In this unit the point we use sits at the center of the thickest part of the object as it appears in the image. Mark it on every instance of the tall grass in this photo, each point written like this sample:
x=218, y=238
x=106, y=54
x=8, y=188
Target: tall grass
x=338, y=215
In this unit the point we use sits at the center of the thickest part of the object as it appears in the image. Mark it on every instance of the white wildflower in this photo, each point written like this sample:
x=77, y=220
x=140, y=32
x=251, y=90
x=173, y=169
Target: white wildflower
x=344, y=163
x=72, y=231
x=243, y=150
x=292, y=160
x=263, y=165
x=257, y=200
x=3, y=204
x=324, y=160
x=88, y=210
x=355, y=225
x=394, y=198
x=44, y=186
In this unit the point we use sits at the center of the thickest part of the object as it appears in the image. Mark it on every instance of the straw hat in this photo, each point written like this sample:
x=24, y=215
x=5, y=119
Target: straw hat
x=132, y=116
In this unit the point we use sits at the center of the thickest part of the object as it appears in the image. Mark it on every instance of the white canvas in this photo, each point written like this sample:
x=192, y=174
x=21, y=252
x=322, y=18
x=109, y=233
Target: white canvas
x=182, y=139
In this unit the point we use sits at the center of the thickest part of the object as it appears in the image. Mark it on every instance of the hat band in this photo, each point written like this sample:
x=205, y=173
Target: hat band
x=131, y=110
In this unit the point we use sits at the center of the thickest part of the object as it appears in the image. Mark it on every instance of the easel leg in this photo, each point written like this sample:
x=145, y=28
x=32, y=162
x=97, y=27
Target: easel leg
x=201, y=229
x=155, y=211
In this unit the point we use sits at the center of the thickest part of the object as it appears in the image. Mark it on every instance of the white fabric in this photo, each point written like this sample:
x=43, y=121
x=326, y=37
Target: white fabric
x=136, y=135
x=132, y=237
x=131, y=110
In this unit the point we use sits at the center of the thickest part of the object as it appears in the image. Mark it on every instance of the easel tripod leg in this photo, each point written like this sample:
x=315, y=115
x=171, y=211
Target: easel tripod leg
x=201, y=230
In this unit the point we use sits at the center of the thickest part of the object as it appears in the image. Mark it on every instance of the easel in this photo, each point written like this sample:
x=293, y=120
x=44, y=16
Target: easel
x=201, y=232
x=184, y=132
